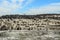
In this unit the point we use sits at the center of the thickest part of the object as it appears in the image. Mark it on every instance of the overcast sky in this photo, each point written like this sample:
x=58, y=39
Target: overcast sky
x=29, y=7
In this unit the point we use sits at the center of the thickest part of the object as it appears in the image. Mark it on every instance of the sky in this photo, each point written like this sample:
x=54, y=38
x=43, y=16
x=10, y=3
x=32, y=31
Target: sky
x=29, y=7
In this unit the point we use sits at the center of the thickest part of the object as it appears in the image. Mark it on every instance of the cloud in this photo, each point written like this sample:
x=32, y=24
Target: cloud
x=51, y=8
x=14, y=1
x=29, y=1
x=11, y=6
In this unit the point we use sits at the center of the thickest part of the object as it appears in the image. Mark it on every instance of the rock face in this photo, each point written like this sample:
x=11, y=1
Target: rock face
x=30, y=22
x=30, y=27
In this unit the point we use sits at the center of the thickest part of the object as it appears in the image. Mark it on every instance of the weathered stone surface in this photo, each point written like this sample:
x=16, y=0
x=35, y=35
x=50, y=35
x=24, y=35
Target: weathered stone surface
x=28, y=35
x=30, y=27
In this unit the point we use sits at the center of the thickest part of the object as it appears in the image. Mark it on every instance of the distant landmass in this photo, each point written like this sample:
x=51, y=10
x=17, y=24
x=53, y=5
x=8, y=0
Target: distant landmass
x=41, y=16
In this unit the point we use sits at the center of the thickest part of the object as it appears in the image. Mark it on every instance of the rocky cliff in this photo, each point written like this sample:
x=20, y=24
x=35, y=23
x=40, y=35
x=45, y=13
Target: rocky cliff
x=30, y=22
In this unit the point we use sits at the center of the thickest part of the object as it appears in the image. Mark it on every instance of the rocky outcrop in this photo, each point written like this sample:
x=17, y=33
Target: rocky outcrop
x=29, y=22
